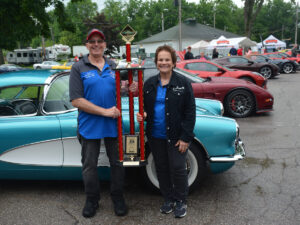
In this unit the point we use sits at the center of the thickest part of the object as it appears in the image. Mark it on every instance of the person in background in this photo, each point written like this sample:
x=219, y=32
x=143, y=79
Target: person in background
x=240, y=51
x=93, y=92
x=80, y=56
x=188, y=54
x=249, y=52
x=215, y=53
x=203, y=57
x=76, y=59
x=170, y=114
x=294, y=51
x=233, y=51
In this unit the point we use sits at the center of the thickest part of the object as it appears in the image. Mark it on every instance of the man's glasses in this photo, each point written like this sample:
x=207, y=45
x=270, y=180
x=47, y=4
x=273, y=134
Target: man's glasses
x=94, y=41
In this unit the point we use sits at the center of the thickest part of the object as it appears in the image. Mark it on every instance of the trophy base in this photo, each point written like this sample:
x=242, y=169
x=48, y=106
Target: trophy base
x=133, y=163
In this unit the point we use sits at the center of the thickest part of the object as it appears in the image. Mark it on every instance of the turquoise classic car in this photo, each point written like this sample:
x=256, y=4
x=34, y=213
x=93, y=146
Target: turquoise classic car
x=38, y=133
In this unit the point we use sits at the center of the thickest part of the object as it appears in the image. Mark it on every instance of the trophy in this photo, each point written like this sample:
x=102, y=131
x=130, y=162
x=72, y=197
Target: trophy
x=134, y=154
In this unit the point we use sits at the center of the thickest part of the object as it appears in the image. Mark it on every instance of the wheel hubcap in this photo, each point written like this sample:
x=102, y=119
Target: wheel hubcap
x=288, y=68
x=266, y=72
x=241, y=104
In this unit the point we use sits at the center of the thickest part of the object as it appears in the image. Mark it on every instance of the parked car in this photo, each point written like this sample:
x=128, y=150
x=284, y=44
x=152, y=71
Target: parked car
x=268, y=70
x=45, y=65
x=239, y=97
x=285, y=55
x=123, y=62
x=285, y=65
x=10, y=67
x=205, y=68
x=65, y=66
x=282, y=55
x=38, y=132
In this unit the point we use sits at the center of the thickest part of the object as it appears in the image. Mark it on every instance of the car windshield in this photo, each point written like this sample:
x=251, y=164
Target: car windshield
x=192, y=77
x=284, y=54
x=225, y=67
x=57, y=98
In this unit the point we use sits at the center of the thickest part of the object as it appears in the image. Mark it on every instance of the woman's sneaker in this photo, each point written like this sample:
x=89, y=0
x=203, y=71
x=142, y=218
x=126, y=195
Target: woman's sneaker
x=180, y=209
x=167, y=207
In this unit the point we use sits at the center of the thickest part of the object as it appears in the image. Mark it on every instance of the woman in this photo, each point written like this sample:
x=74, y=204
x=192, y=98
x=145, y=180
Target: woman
x=169, y=106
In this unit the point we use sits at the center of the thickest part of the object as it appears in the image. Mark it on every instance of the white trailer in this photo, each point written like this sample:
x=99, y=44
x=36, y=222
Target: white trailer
x=80, y=49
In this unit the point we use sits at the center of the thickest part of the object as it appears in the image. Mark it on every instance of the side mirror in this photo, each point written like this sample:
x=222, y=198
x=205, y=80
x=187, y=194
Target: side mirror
x=250, y=62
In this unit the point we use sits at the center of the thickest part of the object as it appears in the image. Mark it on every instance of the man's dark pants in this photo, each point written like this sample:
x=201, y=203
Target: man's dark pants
x=90, y=153
x=170, y=168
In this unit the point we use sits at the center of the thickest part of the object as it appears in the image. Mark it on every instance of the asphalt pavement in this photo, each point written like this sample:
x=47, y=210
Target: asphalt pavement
x=263, y=189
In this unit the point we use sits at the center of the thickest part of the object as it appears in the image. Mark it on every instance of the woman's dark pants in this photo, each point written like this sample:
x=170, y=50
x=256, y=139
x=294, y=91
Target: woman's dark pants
x=170, y=168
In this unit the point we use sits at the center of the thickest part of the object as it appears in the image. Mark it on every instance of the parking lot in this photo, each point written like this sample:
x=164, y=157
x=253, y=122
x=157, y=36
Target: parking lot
x=262, y=189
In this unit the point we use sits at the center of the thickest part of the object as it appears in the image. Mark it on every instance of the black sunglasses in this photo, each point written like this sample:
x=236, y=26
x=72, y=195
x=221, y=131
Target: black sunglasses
x=94, y=41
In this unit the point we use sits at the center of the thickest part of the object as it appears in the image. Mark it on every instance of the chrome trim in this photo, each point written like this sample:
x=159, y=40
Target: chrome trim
x=18, y=116
x=222, y=109
x=32, y=164
x=33, y=143
x=239, y=154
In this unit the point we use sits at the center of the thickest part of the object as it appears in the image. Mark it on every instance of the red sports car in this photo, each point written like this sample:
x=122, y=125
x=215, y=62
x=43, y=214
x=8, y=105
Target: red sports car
x=282, y=55
x=240, y=98
x=205, y=68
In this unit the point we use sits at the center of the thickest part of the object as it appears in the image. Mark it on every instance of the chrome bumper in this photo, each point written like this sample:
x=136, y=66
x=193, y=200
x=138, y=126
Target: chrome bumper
x=239, y=154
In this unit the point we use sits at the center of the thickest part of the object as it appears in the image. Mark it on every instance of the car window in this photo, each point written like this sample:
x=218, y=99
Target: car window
x=274, y=55
x=258, y=58
x=238, y=60
x=19, y=101
x=58, y=99
x=202, y=66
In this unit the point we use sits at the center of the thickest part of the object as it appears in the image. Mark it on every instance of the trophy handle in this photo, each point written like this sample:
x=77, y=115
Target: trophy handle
x=141, y=111
x=119, y=122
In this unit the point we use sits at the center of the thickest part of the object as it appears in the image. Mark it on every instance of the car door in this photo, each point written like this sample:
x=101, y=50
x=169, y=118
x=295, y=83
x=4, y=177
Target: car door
x=28, y=138
x=240, y=63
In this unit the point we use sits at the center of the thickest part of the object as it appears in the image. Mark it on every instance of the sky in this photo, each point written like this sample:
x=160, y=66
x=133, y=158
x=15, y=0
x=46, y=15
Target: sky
x=100, y=3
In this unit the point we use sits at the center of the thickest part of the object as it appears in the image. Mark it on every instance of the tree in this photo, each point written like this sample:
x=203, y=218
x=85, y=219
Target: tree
x=110, y=30
x=23, y=20
x=251, y=10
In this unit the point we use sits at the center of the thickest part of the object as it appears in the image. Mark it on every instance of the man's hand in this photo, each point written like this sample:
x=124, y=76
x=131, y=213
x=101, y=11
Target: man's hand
x=182, y=146
x=112, y=112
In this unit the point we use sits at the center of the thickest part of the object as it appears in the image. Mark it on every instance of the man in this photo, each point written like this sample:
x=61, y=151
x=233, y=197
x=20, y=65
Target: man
x=294, y=51
x=189, y=54
x=240, y=51
x=233, y=51
x=93, y=92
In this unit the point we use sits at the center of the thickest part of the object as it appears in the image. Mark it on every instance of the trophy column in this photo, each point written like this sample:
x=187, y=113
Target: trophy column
x=132, y=152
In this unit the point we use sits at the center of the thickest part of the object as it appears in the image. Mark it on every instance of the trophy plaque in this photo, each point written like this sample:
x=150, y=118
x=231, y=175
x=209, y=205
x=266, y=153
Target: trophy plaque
x=134, y=143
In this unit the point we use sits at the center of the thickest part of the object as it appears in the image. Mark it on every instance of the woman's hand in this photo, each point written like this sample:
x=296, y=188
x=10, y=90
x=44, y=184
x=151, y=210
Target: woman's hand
x=133, y=87
x=125, y=87
x=182, y=146
x=139, y=117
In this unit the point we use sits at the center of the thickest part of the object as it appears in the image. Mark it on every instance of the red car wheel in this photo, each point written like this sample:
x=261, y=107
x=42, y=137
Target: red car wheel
x=239, y=104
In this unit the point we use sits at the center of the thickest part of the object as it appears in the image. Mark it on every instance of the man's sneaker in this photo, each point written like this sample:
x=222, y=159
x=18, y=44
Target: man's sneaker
x=180, y=209
x=120, y=208
x=167, y=207
x=90, y=208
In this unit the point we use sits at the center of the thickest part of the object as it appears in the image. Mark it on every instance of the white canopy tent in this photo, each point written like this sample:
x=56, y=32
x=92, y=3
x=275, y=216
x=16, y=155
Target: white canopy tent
x=272, y=42
x=200, y=44
x=223, y=42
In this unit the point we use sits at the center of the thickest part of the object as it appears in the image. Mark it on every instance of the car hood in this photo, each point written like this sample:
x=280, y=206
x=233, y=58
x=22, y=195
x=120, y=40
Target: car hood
x=226, y=80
